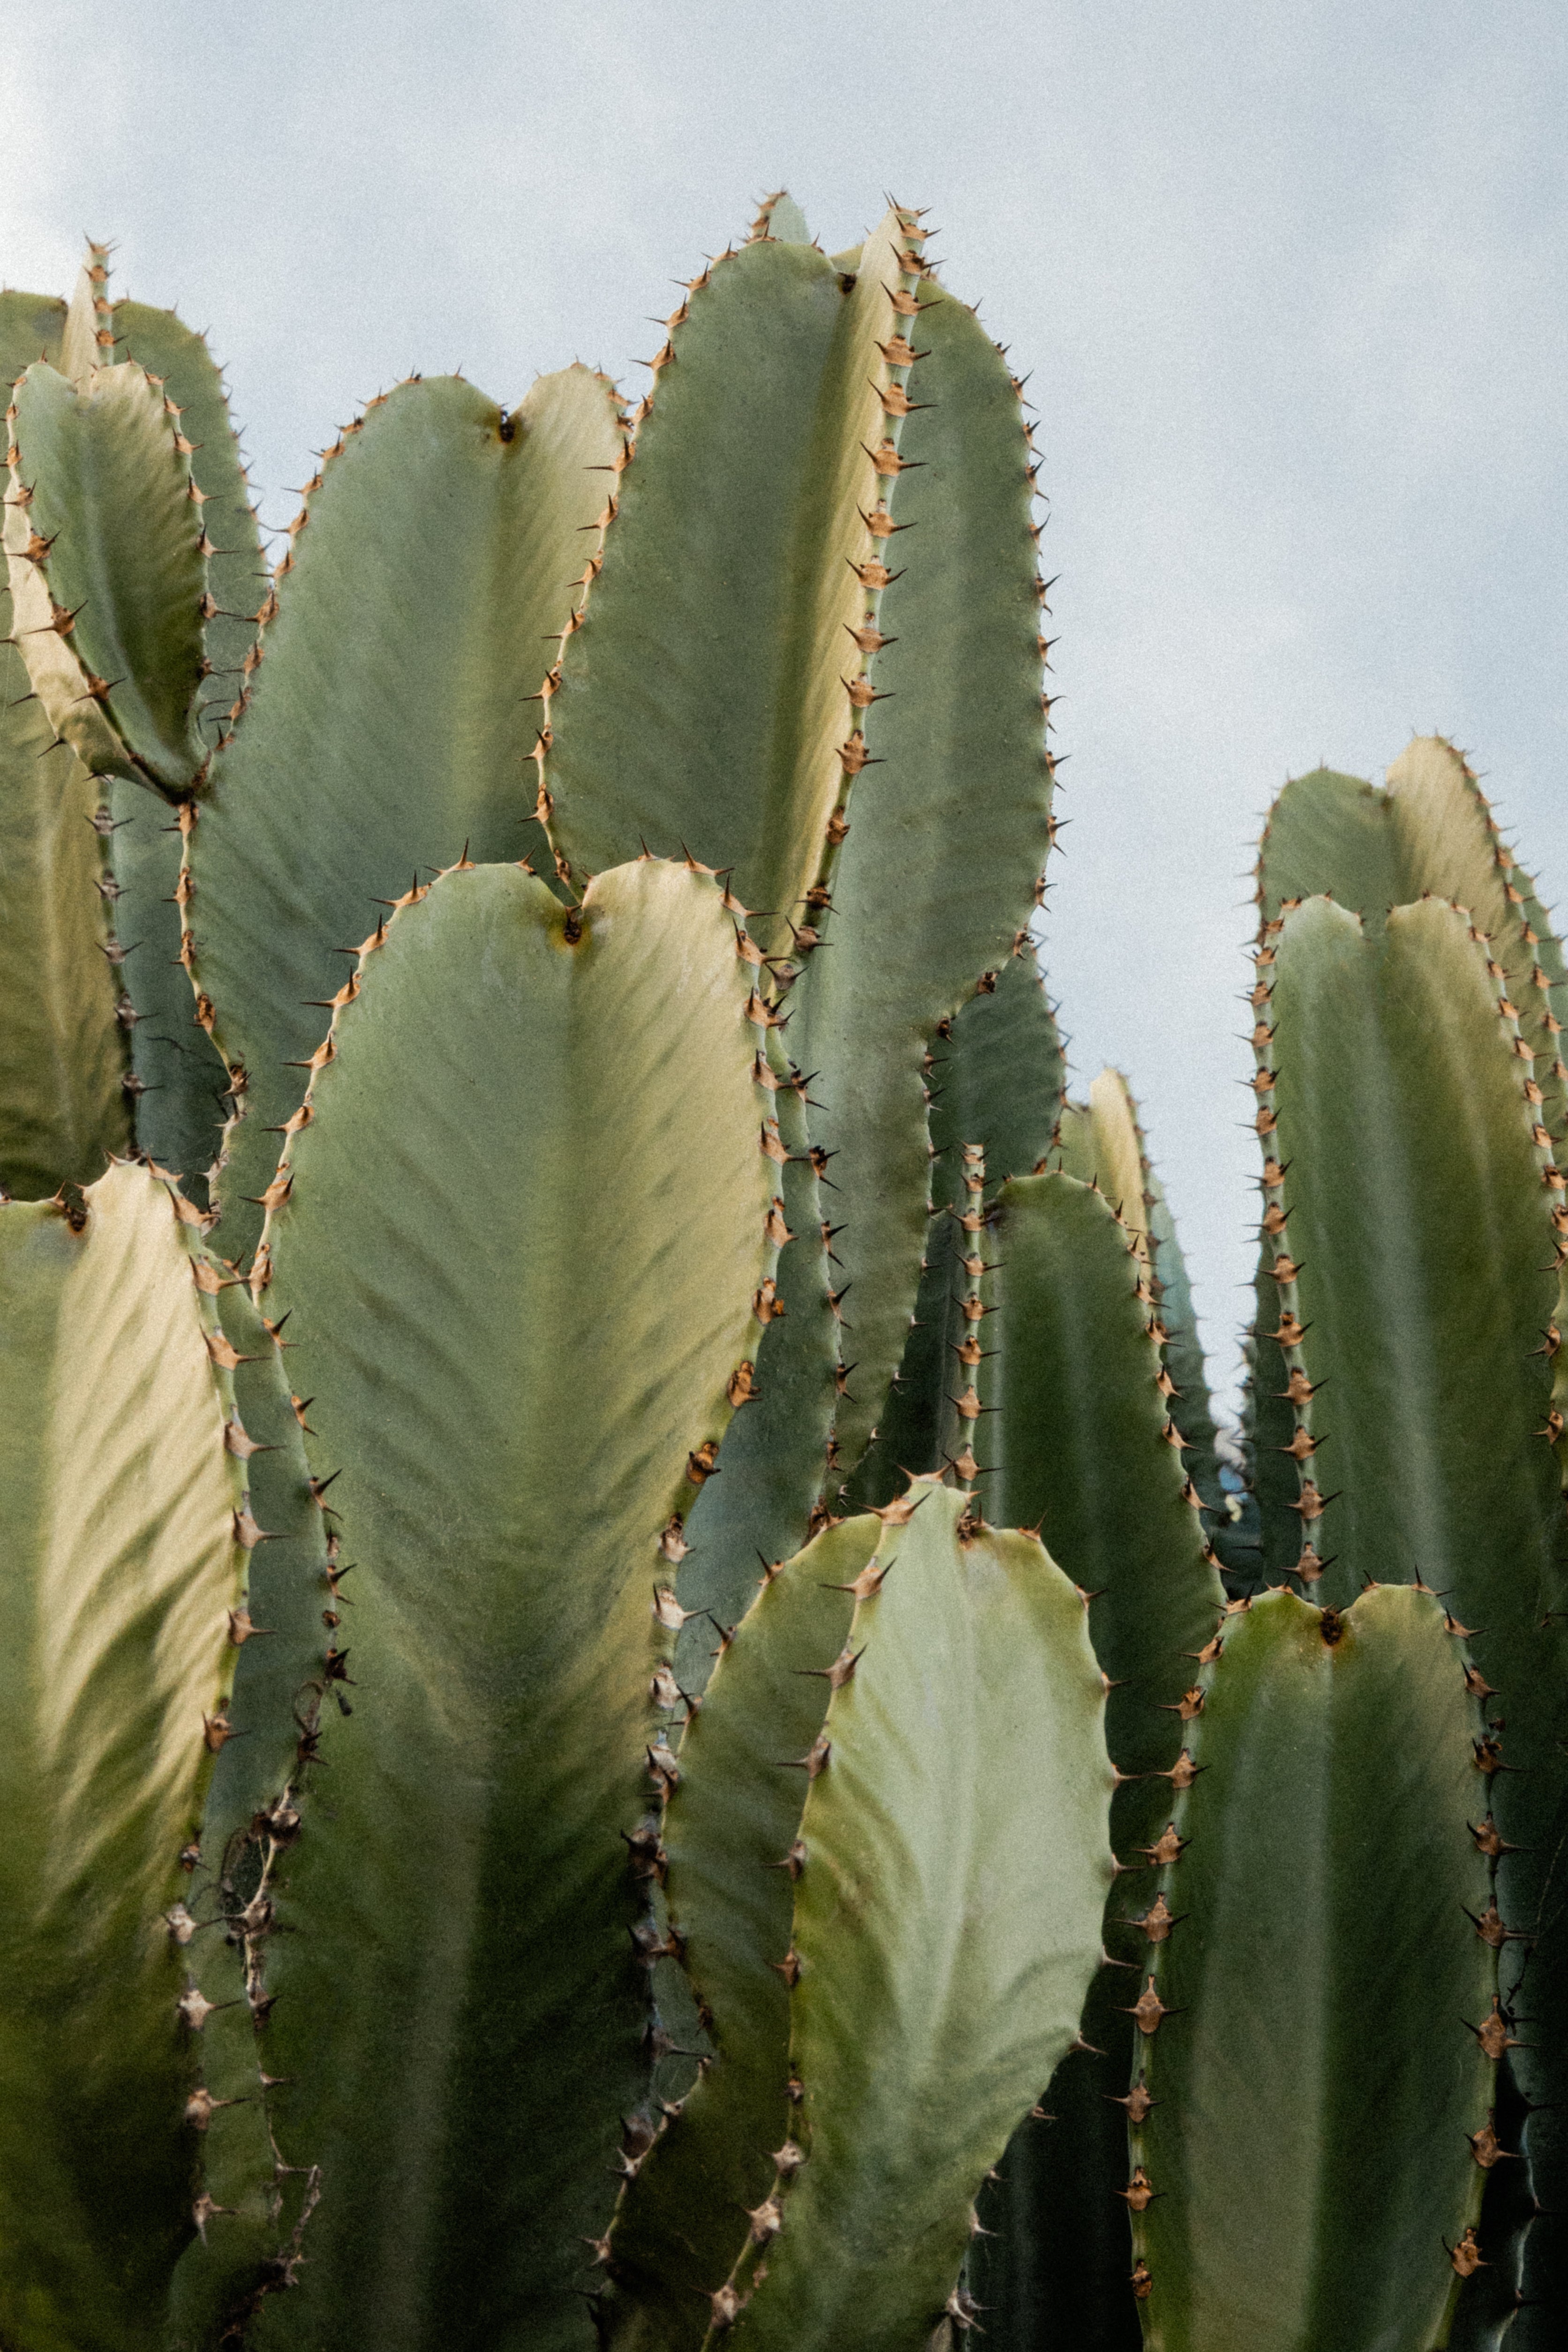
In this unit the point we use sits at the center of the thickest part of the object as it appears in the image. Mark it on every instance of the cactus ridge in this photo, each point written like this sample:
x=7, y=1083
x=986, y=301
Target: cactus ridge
x=101, y=510
x=1104, y=1142
x=182, y=1079
x=238, y=578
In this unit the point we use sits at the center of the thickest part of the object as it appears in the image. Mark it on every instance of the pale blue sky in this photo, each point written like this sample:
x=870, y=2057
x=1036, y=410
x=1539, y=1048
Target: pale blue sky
x=1289, y=278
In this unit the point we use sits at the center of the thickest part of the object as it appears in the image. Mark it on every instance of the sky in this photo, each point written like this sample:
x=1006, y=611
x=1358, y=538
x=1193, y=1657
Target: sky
x=1287, y=281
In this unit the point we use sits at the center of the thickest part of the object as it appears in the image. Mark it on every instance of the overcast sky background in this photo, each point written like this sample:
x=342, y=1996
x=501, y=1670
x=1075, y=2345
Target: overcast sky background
x=1289, y=279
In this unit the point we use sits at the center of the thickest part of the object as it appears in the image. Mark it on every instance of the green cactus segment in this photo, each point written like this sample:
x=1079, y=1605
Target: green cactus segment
x=994, y=1078
x=178, y=1079
x=782, y=217
x=180, y=1082
x=1101, y=1142
x=1405, y=1147
x=63, y=1109
x=125, y=1524
x=291, y=1613
x=373, y=752
x=937, y=879
x=1430, y=832
x=87, y=338
x=563, y=1099
x=31, y=326
x=1309, y=2025
x=1082, y=1441
x=107, y=557
x=756, y=1510
x=946, y=1926
x=702, y=704
x=238, y=574
x=1183, y=1352
x=730, y=1830
x=1081, y=1446
x=1397, y=1118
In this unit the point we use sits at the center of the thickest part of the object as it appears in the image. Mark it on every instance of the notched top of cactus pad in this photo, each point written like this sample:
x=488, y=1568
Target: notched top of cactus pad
x=521, y=1223
x=442, y=544
x=107, y=554
x=1400, y=1145
x=1428, y=831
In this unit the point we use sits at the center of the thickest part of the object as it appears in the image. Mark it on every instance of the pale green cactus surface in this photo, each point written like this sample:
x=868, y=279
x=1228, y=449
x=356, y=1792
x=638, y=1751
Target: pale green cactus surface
x=640, y=1704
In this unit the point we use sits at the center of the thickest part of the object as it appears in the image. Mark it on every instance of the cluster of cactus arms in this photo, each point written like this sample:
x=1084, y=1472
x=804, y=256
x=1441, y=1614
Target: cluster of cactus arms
x=639, y=1703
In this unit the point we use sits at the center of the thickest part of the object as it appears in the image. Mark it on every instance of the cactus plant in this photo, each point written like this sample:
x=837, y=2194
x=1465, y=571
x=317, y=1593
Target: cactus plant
x=599, y=1480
